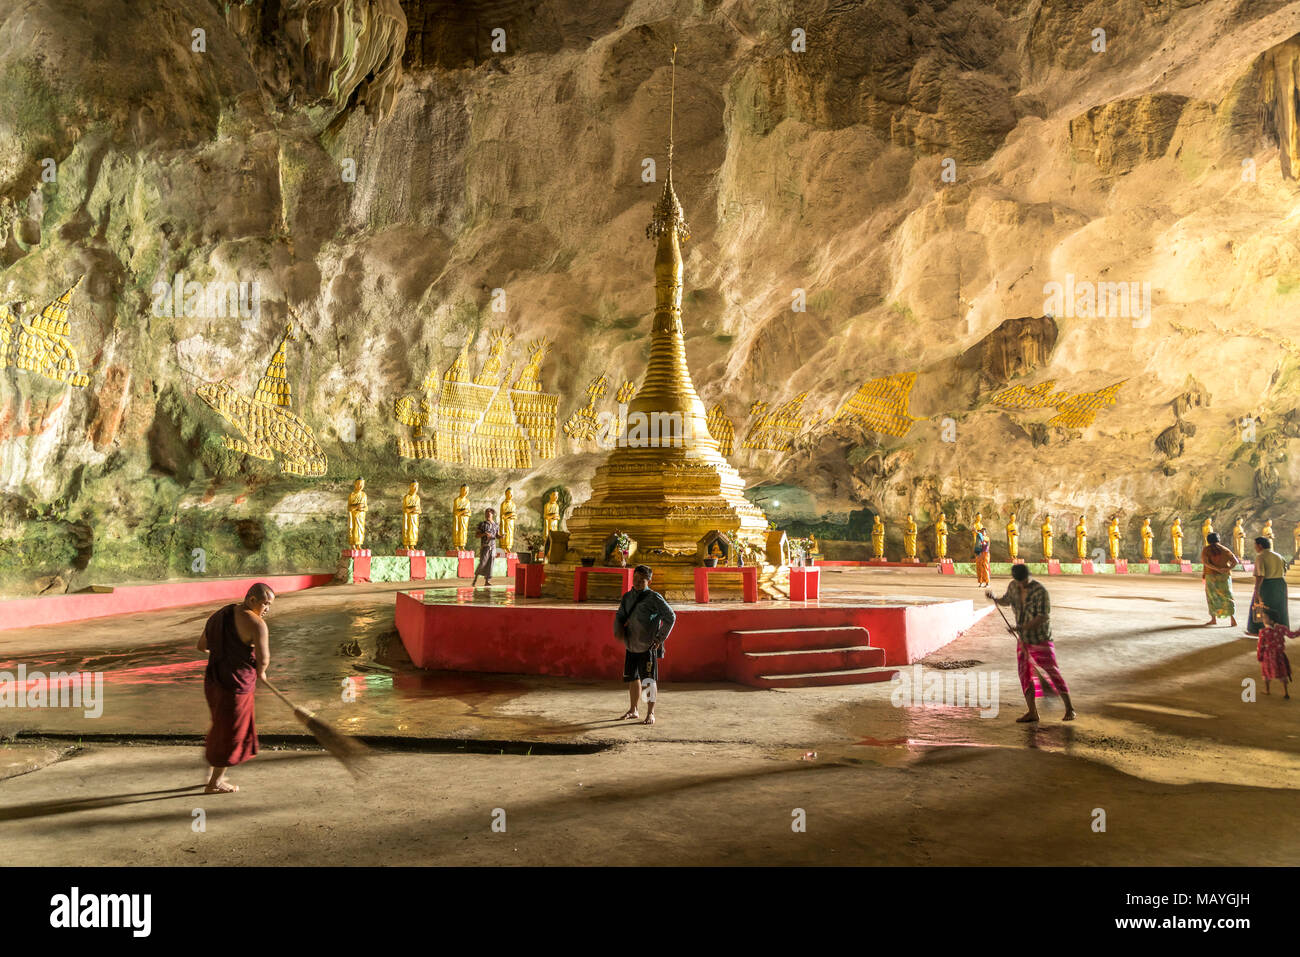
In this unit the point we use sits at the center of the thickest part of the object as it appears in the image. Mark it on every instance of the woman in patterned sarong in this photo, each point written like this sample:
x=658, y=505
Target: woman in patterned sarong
x=1273, y=662
x=1217, y=562
x=1270, y=587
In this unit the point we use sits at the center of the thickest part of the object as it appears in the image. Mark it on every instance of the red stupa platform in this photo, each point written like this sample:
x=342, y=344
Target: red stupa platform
x=766, y=643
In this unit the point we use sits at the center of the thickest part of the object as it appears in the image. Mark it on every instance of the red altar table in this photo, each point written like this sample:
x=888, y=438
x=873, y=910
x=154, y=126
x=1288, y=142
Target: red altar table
x=748, y=581
x=529, y=578
x=581, y=573
x=805, y=583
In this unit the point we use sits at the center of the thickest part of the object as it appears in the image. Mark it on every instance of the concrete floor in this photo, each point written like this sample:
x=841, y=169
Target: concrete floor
x=1184, y=770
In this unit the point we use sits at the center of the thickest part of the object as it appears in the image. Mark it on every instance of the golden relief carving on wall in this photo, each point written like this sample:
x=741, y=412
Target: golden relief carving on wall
x=1081, y=410
x=1039, y=396
x=266, y=422
x=582, y=424
x=775, y=430
x=1073, y=411
x=43, y=344
x=880, y=405
x=483, y=420
x=625, y=392
x=721, y=429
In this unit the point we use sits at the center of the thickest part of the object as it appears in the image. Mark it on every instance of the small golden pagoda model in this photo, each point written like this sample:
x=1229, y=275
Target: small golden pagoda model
x=665, y=494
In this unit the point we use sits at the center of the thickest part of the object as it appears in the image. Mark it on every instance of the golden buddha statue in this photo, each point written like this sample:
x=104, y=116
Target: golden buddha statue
x=460, y=519
x=1295, y=539
x=1013, y=538
x=1047, y=538
x=551, y=514
x=357, y=515
x=411, y=517
x=1148, y=539
x=1239, y=540
x=1267, y=530
x=1176, y=534
x=878, y=538
x=813, y=547
x=1113, y=539
x=1081, y=540
x=909, y=538
x=506, y=520
x=976, y=529
x=1207, y=526
x=941, y=537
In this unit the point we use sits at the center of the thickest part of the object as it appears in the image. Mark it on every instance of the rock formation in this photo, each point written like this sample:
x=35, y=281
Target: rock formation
x=876, y=189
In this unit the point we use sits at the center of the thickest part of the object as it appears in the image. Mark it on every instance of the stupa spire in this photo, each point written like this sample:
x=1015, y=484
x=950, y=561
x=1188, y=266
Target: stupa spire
x=668, y=215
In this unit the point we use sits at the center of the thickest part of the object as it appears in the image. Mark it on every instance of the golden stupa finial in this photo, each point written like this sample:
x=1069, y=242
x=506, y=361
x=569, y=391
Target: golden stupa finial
x=668, y=211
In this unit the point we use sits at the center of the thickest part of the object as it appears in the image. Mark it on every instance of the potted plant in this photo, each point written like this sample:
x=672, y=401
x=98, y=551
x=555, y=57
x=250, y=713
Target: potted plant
x=534, y=541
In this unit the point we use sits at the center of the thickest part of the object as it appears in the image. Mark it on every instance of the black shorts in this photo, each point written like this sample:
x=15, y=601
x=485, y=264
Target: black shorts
x=639, y=665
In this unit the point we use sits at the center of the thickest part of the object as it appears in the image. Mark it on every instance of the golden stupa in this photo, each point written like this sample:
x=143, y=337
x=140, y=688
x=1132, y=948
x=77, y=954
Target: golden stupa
x=665, y=491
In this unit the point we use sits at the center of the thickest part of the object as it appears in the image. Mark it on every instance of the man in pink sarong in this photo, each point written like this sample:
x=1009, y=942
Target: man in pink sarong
x=1034, y=648
x=239, y=650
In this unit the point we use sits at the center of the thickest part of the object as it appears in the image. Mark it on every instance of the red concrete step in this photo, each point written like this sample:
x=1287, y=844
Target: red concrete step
x=796, y=639
x=804, y=657
x=848, y=676
x=814, y=659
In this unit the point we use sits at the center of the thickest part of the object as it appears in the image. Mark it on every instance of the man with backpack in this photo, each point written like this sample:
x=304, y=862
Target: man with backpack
x=642, y=623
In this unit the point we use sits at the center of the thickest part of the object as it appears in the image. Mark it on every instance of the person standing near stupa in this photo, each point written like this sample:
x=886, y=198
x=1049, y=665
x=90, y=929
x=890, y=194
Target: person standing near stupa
x=487, y=530
x=642, y=622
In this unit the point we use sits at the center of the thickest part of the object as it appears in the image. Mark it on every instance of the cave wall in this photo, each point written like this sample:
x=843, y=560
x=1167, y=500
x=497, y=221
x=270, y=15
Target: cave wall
x=921, y=172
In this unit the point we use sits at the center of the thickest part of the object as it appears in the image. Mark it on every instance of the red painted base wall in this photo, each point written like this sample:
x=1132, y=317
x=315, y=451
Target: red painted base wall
x=60, y=609
x=578, y=641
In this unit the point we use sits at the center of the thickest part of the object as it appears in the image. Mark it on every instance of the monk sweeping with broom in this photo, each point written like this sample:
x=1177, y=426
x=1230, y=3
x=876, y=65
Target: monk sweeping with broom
x=238, y=644
x=230, y=681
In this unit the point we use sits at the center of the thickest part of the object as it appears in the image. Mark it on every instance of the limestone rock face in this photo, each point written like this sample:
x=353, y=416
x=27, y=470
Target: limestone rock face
x=1073, y=222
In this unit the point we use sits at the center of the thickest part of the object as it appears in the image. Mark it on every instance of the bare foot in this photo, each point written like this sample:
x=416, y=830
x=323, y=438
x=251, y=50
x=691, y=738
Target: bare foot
x=1029, y=717
x=1069, y=715
x=1234, y=622
x=221, y=787
x=630, y=714
x=650, y=719
x=1212, y=621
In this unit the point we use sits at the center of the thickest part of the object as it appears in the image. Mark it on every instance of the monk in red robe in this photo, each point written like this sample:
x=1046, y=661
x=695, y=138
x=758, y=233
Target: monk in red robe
x=239, y=650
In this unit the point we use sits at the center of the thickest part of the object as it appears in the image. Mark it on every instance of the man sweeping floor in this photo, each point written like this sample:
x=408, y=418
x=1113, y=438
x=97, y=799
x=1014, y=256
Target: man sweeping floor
x=239, y=650
x=1034, y=648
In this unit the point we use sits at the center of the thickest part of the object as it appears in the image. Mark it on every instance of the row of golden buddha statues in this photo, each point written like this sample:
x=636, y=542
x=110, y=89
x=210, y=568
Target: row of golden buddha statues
x=1114, y=539
x=412, y=509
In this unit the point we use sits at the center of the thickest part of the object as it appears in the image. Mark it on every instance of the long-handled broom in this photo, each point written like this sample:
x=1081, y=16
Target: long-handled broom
x=349, y=751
